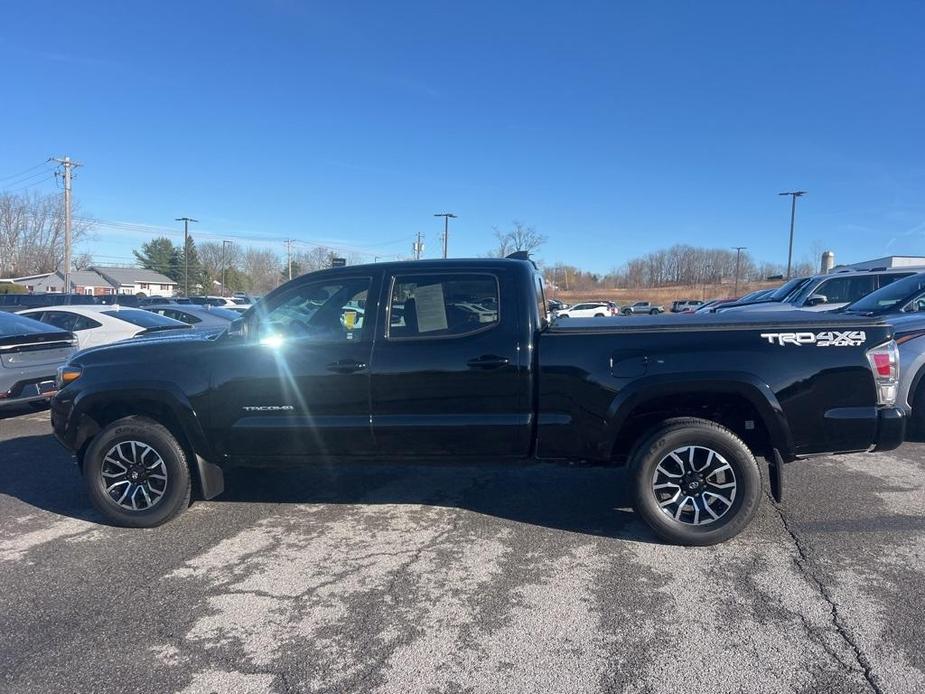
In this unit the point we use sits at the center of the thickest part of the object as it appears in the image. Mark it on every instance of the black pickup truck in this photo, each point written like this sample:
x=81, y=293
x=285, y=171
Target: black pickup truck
x=430, y=360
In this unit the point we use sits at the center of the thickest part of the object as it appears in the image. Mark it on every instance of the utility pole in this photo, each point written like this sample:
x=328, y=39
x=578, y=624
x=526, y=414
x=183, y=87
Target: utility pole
x=418, y=246
x=67, y=165
x=224, y=243
x=289, y=256
x=793, y=215
x=446, y=229
x=186, y=221
x=738, y=250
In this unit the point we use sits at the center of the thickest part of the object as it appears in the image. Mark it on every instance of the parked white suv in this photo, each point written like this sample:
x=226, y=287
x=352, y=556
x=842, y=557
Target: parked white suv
x=588, y=309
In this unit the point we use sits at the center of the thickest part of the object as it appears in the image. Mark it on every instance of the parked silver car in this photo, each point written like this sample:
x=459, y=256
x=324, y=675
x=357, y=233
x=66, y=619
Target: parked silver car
x=30, y=354
x=642, y=307
x=902, y=304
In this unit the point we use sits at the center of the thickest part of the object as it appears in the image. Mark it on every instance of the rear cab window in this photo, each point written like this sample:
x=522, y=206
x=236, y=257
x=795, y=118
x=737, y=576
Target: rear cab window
x=442, y=305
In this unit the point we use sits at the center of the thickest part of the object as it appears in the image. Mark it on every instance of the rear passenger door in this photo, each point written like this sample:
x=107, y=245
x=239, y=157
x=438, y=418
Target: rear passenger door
x=448, y=375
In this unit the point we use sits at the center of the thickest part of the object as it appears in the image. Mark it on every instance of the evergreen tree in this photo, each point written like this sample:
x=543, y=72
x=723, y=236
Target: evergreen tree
x=161, y=256
x=197, y=281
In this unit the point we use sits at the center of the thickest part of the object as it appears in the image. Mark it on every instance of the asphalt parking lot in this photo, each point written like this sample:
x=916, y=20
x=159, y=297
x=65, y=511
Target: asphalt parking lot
x=396, y=578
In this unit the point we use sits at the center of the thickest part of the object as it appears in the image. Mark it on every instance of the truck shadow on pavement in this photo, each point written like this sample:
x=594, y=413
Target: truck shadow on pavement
x=589, y=500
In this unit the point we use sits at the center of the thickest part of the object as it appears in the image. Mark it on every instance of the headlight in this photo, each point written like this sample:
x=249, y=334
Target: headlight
x=67, y=374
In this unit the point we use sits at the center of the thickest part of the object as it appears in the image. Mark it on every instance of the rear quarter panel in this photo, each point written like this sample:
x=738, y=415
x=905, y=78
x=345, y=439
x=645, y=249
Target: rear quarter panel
x=812, y=399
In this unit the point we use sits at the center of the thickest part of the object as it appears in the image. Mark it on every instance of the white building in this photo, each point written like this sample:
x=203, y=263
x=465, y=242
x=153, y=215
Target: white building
x=889, y=262
x=134, y=280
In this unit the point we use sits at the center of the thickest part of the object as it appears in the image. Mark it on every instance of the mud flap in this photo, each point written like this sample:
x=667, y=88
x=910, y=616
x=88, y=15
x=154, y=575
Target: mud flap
x=211, y=478
x=776, y=475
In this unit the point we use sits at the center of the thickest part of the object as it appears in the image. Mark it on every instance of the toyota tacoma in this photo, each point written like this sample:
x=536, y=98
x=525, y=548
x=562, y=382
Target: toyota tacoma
x=458, y=359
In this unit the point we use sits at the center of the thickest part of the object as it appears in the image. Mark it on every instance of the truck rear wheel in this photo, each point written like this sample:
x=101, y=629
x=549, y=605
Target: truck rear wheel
x=136, y=473
x=695, y=482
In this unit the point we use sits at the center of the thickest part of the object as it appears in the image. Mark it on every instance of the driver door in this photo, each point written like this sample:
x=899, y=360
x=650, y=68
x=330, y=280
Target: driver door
x=299, y=384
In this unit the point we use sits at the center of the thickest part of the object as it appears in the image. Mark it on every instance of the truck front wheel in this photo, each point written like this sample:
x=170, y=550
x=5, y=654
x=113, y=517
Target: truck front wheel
x=136, y=473
x=695, y=482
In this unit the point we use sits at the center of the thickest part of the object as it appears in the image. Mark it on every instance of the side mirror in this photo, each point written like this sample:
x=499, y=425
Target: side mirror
x=238, y=328
x=817, y=299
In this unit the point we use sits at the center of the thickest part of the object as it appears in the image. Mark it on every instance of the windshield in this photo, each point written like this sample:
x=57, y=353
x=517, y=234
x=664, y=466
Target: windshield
x=788, y=288
x=893, y=296
x=145, y=319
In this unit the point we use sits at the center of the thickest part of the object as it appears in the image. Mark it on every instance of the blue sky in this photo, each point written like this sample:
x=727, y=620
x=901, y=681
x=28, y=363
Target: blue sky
x=613, y=128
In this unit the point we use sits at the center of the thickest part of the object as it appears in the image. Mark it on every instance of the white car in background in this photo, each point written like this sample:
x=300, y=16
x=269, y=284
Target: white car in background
x=101, y=324
x=588, y=309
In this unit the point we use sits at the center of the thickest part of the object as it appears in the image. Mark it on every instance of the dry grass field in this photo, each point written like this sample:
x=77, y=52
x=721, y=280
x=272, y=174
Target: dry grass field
x=659, y=295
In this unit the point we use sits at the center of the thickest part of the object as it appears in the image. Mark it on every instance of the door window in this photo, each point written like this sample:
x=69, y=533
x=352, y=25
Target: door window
x=541, y=304
x=85, y=323
x=842, y=290
x=330, y=311
x=431, y=306
x=60, y=319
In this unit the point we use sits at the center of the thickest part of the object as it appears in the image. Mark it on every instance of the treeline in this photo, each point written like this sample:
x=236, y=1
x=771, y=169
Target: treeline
x=32, y=234
x=246, y=269
x=675, y=266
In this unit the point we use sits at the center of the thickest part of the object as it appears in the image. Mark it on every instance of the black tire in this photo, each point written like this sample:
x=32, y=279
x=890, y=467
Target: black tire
x=685, y=432
x=598, y=315
x=654, y=312
x=627, y=312
x=176, y=490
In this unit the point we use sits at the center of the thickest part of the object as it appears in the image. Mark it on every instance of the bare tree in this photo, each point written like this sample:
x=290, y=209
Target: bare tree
x=83, y=261
x=261, y=267
x=32, y=233
x=212, y=254
x=519, y=238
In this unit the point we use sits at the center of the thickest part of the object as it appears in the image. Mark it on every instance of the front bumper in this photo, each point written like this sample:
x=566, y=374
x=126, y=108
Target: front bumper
x=891, y=429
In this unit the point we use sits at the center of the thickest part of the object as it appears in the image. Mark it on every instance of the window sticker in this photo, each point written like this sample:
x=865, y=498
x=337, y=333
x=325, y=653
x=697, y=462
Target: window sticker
x=430, y=308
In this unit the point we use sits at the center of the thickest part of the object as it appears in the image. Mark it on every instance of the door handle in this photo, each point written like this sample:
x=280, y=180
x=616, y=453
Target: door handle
x=488, y=361
x=346, y=366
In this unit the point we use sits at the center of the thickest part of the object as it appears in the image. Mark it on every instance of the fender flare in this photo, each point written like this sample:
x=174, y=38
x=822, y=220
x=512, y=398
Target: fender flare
x=165, y=394
x=743, y=384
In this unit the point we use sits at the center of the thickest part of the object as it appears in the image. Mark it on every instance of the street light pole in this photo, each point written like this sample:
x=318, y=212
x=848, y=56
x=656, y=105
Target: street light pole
x=446, y=229
x=738, y=250
x=793, y=215
x=186, y=221
x=224, y=243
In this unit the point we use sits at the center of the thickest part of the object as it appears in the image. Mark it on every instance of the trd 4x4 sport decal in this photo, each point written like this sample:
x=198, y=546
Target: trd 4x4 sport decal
x=829, y=338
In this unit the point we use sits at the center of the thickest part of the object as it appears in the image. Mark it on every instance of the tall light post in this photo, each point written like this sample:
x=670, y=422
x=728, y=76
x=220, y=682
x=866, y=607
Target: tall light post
x=446, y=229
x=186, y=221
x=738, y=250
x=224, y=243
x=793, y=215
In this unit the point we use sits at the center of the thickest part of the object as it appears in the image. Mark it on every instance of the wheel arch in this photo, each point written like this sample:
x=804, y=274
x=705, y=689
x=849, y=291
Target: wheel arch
x=738, y=401
x=164, y=404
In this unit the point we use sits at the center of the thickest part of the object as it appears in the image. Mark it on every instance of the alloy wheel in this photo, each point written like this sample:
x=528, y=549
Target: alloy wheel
x=694, y=485
x=134, y=475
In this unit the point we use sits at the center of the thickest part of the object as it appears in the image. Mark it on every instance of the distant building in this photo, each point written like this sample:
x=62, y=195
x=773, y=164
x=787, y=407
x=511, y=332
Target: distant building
x=100, y=281
x=81, y=282
x=134, y=280
x=886, y=263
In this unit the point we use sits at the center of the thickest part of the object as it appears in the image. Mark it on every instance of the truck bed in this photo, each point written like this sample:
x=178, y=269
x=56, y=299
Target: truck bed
x=713, y=321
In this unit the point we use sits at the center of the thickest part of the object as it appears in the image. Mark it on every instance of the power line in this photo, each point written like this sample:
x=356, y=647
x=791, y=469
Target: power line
x=30, y=185
x=31, y=168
